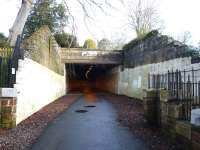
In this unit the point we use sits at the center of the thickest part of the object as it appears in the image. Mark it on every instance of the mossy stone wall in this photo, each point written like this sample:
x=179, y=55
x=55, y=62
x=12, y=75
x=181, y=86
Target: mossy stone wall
x=42, y=47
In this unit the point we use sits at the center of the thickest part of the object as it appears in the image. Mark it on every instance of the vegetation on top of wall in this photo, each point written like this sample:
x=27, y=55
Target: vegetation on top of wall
x=191, y=52
x=136, y=41
x=46, y=12
x=66, y=40
x=3, y=40
x=42, y=47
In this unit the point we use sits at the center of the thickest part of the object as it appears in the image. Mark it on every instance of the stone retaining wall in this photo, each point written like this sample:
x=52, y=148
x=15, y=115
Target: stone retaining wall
x=153, y=48
x=8, y=112
x=169, y=114
x=132, y=81
x=42, y=47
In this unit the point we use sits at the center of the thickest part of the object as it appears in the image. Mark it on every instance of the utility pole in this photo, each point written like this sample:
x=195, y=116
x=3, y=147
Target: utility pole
x=20, y=21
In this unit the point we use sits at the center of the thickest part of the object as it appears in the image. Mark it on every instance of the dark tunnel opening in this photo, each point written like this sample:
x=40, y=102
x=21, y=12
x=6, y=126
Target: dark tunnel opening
x=80, y=77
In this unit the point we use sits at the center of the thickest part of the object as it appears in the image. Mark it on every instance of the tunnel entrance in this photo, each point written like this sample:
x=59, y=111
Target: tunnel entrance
x=81, y=77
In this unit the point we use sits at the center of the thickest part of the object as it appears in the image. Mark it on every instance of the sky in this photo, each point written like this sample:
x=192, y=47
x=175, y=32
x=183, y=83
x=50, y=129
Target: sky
x=177, y=16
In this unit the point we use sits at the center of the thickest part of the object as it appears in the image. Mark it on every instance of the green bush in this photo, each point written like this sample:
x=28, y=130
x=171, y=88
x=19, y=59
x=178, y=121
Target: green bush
x=191, y=52
x=66, y=40
x=3, y=40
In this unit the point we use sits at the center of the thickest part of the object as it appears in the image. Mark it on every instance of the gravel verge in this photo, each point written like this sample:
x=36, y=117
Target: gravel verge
x=131, y=114
x=27, y=132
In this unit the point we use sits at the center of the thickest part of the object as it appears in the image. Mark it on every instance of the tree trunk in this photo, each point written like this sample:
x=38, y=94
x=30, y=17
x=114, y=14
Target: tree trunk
x=20, y=21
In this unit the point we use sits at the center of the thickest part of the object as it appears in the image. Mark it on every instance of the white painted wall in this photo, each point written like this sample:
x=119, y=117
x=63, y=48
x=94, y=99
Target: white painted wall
x=132, y=81
x=36, y=87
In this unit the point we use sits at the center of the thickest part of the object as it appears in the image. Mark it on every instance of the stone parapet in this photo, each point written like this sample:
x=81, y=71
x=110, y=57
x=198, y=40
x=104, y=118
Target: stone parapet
x=164, y=95
x=151, y=104
x=8, y=112
x=183, y=129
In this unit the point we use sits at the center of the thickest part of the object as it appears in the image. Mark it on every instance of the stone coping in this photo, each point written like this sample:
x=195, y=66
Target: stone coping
x=8, y=92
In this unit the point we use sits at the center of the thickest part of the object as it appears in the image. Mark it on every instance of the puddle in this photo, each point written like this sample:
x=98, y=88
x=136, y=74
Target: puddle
x=90, y=106
x=81, y=111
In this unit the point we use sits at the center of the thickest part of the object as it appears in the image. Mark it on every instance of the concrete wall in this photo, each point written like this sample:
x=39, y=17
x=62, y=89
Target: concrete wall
x=110, y=81
x=36, y=87
x=132, y=81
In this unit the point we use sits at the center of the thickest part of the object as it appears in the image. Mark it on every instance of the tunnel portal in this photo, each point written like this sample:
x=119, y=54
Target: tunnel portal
x=81, y=77
x=90, y=68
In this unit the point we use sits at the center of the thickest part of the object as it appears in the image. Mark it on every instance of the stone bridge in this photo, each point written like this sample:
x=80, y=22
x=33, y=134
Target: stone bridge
x=90, y=56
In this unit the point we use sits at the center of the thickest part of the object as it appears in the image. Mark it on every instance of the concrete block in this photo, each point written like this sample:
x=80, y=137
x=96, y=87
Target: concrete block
x=183, y=129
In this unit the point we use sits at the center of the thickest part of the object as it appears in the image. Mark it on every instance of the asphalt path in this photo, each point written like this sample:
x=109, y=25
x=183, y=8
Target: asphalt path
x=88, y=125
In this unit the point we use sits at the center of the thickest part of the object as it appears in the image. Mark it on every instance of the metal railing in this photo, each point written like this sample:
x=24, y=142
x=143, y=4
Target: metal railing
x=183, y=86
x=9, y=64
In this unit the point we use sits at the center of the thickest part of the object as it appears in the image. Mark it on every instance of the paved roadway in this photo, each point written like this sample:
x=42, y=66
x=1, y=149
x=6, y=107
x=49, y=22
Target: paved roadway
x=96, y=129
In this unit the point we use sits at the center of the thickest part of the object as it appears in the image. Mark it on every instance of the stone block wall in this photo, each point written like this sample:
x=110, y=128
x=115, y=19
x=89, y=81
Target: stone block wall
x=154, y=53
x=8, y=112
x=153, y=48
x=195, y=136
x=42, y=47
x=36, y=87
x=151, y=107
x=161, y=108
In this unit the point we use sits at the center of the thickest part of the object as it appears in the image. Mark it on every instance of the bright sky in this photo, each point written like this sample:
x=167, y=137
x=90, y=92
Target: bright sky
x=177, y=16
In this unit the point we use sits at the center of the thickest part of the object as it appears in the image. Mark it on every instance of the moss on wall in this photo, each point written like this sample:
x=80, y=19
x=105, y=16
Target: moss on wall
x=43, y=48
x=154, y=48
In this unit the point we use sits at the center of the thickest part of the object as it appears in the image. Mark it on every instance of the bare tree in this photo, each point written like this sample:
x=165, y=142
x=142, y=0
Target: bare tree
x=20, y=21
x=143, y=17
x=105, y=44
x=26, y=5
x=118, y=43
x=185, y=37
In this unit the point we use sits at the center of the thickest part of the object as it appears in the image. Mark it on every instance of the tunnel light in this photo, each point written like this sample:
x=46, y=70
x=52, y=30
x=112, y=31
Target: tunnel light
x=88, y=71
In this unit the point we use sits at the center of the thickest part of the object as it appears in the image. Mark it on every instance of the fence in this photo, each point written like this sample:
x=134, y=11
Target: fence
x=184, y=87
x=9, y=64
